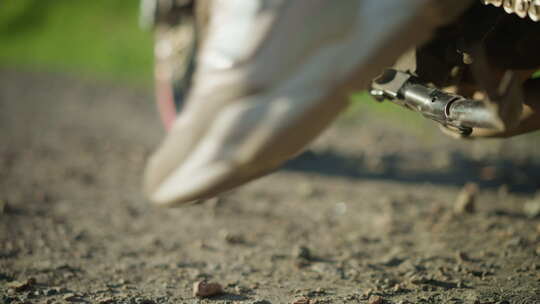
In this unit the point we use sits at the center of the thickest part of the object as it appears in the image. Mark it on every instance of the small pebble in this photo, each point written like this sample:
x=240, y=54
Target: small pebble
x=466, y=200
x=51, y=291
x=21, y=286
x=203, y=289
x=302, y=300
x=375, y=300
x=70, y=297
x=463, y=256
x=367, y=293
x=241, y=290
x=532, y=208
x=107, y=300
x=302, y=252
x=232, y=238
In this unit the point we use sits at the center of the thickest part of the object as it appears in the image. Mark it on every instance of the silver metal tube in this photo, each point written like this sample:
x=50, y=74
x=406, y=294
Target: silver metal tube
x=472, y=113
x=449, y=108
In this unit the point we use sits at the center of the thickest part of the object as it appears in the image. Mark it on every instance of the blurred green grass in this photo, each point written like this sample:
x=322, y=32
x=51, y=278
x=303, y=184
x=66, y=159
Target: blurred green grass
x=102, y=39
x=98, y=38
x=364, y=109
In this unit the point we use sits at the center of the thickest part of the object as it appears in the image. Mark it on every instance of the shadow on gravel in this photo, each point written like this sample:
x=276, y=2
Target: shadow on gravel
x=517, y=177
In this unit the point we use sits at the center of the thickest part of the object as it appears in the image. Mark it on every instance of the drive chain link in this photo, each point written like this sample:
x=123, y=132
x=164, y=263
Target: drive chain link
x=522, y=8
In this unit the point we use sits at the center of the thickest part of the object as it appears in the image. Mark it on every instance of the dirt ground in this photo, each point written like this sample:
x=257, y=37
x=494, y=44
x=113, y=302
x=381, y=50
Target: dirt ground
x=369, y=211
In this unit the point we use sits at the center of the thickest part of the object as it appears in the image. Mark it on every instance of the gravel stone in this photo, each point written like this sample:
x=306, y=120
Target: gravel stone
x=203, y=289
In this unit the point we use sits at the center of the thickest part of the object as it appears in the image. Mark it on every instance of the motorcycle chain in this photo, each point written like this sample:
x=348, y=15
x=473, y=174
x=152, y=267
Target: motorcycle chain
x=522, y=8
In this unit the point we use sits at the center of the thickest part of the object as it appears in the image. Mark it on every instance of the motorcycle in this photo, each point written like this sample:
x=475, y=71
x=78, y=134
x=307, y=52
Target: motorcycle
x=475, y=74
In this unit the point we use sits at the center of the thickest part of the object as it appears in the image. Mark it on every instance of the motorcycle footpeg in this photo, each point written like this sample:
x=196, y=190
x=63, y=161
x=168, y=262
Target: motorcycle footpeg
x=451, y=110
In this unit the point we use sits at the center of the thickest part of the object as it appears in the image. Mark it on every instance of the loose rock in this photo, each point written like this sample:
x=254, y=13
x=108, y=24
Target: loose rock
x=241, y=290
x=463, y=256
x=375, y=300
x=302, y=252
x=21, y=286
x=367, y=294
x=532, y=208
x=302, y=300
x=51, y=291
x=70, y=297
x=232, y=238
x=466, y=200
x=107, y=300
x=203, y=289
